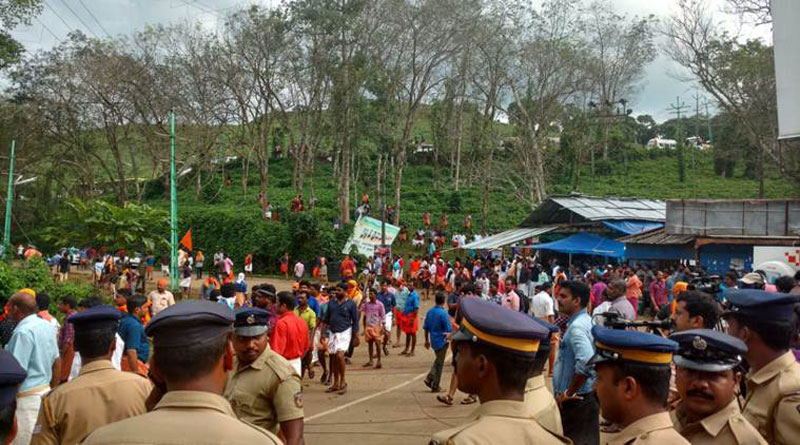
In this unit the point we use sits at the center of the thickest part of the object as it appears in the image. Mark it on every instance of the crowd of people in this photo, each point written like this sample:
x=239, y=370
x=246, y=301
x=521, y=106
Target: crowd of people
x=719, y=351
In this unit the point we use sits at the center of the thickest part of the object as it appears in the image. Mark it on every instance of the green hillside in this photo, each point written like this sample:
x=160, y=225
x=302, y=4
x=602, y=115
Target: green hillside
x=646, y=178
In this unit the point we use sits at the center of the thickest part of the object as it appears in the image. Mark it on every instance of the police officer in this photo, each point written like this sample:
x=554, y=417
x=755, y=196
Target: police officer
x=100, y=394
x=537, y=397
x=192, y=354
x=766, y=322
x=633, y=370
x=263, y=388
x=11, y=376
x=708, y=412
x=495, y=348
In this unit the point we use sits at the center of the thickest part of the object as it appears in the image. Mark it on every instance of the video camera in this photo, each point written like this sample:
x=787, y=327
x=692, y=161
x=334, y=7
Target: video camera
x=614, y=320
x=708, y=284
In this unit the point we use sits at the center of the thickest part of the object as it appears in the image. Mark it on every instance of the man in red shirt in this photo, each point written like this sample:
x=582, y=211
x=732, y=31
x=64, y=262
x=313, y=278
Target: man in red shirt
x=290, y=337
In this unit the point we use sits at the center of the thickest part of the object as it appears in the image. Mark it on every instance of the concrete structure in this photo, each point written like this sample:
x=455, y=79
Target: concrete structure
x=720, y=234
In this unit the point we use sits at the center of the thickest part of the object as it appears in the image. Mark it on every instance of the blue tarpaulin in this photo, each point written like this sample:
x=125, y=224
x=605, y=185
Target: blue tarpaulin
x=630, y=227
x=586, y=244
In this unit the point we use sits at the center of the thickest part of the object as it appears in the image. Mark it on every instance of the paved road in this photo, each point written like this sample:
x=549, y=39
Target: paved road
x=384, y=406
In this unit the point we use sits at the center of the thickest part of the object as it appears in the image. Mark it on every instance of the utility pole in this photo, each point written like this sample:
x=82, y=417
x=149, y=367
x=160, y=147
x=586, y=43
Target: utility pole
x=610, y=112
x=173, y=269
x=708, y=122
x=9, y=200
x=676, y=109
x=697, y=114
x=697, y=137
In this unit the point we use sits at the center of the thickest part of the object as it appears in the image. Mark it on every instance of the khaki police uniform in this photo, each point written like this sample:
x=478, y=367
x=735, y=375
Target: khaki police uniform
x=773, y=400
x=542, y=404
x=655, y=429
x=503, y=421
x=265, y=392
x=98, y=396
x=499, y=422
x=184, y=417
x=725, y=427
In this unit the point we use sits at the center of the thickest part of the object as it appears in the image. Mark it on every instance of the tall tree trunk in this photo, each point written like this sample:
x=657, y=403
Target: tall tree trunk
x=245, y=176
x=460, y=117
x=379, y=184
x=122, y=184
x=355, y=172
x=344, y=177
x=135, y=171
x=398, y=183
x=459, y=130
x=198, y=185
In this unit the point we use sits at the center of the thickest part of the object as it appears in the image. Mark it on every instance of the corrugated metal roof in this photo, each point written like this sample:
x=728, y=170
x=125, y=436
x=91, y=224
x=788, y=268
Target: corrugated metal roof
x=507, y=237
x=596, y=209
x=657, y=237
x=579, y=208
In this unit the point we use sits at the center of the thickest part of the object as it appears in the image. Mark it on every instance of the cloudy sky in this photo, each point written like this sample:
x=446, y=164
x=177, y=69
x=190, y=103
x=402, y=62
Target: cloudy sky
x=659, y=88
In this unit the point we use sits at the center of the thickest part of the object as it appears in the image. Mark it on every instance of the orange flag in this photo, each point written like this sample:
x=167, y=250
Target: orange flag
x=186, y=241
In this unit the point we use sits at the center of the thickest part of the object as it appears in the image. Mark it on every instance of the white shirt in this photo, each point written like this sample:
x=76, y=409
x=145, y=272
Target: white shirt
x=484, y=283
x=542, y=305
x=605, y=306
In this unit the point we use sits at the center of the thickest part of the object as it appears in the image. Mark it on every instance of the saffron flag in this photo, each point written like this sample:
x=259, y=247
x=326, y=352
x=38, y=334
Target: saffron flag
x=186, y=241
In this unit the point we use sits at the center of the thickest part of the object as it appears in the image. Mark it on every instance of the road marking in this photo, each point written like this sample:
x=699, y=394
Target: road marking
x=364, y=399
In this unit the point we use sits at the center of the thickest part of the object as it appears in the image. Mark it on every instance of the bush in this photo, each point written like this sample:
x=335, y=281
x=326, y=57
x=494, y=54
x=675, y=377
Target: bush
x=36, y=275
x=210, y=193
x=155, y=189
x=603, y=167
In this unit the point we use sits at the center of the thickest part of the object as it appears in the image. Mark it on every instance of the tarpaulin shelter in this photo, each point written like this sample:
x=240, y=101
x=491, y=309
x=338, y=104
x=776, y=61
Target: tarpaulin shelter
x=565, y=215
x=508, y=237
x=585, y=244
x=629, y=227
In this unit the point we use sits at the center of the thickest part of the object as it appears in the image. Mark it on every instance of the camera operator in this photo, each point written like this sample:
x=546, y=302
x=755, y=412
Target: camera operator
x=695, y=310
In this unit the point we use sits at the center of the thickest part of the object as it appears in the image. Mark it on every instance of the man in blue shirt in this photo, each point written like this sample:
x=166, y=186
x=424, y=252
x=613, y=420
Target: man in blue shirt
x=410, y=323
x=389, y=303
x=572, y=377
x=34, y=345
x=437, y=326
x=137, y=349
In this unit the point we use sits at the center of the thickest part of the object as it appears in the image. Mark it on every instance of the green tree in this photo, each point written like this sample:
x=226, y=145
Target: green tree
x=13, y=13
x=740, y=76
x=136, y=227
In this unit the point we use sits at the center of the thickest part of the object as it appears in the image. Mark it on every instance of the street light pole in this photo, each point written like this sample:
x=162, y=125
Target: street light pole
x=173, y=269
x=9, y=200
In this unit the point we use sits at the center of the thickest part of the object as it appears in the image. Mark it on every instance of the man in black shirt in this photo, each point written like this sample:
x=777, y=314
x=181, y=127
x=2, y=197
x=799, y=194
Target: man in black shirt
x=342, y=320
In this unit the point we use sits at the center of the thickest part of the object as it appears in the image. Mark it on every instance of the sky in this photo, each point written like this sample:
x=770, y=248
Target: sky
x=662, y=83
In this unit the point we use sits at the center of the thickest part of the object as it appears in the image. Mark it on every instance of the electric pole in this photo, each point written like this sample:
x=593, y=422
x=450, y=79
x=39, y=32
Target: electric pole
x=677, y=108
x=708, y=122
